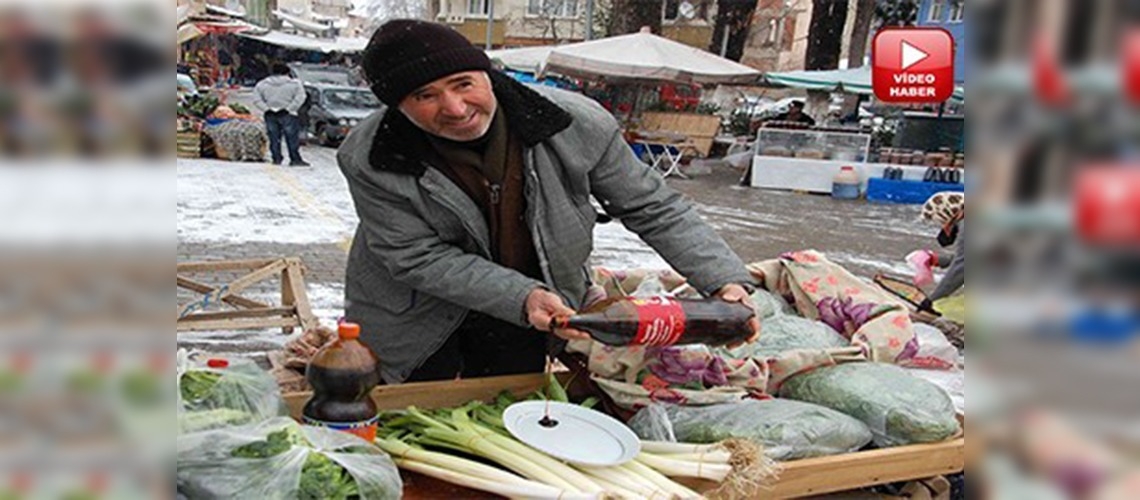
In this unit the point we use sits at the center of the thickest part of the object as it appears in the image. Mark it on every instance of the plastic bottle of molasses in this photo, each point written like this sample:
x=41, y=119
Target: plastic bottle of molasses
x=342, y=375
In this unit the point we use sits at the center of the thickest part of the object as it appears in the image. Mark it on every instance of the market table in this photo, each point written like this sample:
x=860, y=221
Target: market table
x=812, y=476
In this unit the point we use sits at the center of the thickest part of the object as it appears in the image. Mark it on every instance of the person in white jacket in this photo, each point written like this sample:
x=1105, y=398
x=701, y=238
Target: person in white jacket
x=281, y=97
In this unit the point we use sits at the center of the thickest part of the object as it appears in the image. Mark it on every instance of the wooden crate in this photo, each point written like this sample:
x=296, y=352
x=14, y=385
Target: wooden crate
x=700, y=129
x=812, y=476
x=188, y=144
x=222, y=307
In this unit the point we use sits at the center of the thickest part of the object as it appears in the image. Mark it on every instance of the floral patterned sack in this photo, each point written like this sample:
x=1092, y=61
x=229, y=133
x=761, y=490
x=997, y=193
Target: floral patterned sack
x=868, y=316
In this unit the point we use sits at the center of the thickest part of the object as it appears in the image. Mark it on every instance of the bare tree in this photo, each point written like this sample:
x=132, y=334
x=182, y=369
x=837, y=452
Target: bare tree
x=628, y=16
x=825, y=34
x=556, y=19
x=735, y=18
x=380, y=11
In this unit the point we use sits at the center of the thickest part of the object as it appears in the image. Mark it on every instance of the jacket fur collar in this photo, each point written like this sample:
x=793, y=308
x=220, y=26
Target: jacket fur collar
x=400, y=146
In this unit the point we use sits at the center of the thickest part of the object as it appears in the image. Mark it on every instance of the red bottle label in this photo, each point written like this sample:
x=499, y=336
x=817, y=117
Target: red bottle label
x=365, y=429
x=661, y=321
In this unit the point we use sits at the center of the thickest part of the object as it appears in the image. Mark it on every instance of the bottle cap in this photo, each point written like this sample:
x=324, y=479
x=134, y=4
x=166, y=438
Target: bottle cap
x=217, y=363
x=348, y=330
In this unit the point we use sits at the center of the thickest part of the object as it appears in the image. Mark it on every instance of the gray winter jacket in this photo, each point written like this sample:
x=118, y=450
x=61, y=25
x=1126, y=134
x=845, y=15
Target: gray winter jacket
x=420, y=259
x=280, y=92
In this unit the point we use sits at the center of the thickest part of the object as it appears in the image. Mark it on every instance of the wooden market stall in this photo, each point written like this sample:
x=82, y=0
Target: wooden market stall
x=797, y=478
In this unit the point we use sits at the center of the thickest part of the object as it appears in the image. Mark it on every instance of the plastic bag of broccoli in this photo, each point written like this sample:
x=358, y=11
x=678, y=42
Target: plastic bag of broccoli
x=219, y=392
x=898, y=407
x=787, y=429
x=281, y=459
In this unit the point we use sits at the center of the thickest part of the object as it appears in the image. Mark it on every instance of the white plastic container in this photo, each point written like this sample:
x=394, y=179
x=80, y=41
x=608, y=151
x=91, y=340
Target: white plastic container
x=845, y=185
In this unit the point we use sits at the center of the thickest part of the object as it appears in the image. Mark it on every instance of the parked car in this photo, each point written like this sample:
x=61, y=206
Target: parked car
x=332, y=110
x=325, y=74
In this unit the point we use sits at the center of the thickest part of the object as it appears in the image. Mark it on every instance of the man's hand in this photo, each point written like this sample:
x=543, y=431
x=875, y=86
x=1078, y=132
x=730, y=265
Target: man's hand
x=541, y=308
x=733, y=292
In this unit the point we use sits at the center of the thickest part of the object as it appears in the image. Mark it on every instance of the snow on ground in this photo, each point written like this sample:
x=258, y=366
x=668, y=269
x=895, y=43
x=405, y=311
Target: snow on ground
x=221, y=201
x=235, y=204
x=225, y=202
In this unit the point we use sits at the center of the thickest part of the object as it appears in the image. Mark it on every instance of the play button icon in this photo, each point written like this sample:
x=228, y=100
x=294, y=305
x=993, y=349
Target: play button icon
x=912, y=55
x=912, y=65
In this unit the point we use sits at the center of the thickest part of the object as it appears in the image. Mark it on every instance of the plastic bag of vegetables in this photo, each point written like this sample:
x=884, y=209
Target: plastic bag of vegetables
x=218, y=392
x=786, y=429
x=898, y=407
x=768, y=304
x=785, y=332
x=281, y=459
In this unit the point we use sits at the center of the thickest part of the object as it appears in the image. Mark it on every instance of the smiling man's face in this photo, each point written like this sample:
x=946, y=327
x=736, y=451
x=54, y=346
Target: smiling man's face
x=458, y=107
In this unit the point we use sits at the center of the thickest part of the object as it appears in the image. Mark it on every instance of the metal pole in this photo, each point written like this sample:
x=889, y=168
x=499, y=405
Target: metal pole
x=589, y=19
x=490, y=22
x=724, y=41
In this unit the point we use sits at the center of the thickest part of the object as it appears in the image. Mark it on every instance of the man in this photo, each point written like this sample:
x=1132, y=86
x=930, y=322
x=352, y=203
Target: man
x=795, y=113
x=282, y=97
x=473, y=193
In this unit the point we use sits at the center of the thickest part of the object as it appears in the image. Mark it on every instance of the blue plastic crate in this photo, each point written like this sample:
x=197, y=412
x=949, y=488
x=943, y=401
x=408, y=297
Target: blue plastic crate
x=907, y=192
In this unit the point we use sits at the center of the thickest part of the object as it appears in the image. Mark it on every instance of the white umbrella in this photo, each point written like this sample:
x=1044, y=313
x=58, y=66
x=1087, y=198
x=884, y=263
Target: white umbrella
x=646, y=57
x=525, y=59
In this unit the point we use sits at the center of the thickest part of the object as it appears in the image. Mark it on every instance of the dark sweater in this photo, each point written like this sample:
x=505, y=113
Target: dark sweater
x=490, y=171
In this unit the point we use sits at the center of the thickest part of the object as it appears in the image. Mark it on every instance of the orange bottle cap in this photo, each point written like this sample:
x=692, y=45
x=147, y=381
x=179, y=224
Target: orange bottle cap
x=348, y=330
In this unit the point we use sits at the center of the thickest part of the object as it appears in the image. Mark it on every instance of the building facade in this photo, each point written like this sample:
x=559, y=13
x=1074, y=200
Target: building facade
x=521, y=23
x=951, y=16
x=778, y=37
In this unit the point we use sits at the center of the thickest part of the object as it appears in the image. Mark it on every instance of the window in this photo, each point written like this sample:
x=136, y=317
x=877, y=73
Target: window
x=477, y=7
x=684, y=10
x=936, y=8
x=957, y=10
x=552, y=8
x=773, y=32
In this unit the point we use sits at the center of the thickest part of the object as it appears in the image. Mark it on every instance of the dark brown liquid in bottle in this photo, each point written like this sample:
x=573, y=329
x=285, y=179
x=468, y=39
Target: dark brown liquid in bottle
x=343, y=374
x=623, y=322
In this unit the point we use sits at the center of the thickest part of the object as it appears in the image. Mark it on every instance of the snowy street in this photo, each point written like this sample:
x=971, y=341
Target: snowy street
x=229, y=210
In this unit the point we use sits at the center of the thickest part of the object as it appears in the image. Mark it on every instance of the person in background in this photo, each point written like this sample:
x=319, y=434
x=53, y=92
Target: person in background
x=473, y=193
x=795, y=113
x=281, y=97
x=948, y=210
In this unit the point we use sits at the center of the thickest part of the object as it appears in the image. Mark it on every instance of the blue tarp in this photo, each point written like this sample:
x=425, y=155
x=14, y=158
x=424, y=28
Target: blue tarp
x=549, y=82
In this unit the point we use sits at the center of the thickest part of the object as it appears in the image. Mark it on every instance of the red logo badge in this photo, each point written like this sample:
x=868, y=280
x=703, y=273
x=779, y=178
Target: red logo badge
x=1107, y=206
x=1130, y=65
x=913, y=65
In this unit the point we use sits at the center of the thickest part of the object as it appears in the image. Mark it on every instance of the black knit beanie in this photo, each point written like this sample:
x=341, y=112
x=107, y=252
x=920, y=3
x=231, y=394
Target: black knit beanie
x=405, y=54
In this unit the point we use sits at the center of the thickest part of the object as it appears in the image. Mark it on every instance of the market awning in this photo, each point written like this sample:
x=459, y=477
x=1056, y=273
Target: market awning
x=525, y=59
x=190, y=31
x=226, y=12
x=852, y=81
x=646, y=57
x=301, y=24
x=309, y=43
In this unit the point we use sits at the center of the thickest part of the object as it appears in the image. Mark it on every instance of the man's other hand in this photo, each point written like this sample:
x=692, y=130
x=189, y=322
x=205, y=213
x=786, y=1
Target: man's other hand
x=735, y=293
x=542, y=306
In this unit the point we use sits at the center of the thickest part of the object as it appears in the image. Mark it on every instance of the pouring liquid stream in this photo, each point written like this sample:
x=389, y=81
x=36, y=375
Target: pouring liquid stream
x=546, y=421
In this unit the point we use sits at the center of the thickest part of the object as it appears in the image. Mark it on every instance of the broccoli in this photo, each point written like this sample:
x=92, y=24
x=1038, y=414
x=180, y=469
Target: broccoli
x=321, y=477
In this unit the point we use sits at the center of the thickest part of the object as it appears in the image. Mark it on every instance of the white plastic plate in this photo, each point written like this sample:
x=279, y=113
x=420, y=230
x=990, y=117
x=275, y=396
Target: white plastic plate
x=582, y=436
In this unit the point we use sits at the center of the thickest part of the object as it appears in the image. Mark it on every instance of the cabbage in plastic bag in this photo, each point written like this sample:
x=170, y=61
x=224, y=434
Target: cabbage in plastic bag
x=238, y=394
x=769, y=304
x=787, y=429
x=898, y=407
x=281, y=459
x=783, y=332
